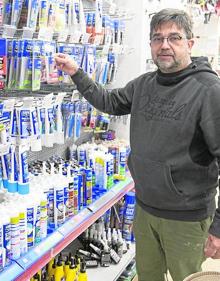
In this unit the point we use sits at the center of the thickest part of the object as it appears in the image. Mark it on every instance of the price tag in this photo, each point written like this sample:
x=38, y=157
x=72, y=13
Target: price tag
x=85, y=38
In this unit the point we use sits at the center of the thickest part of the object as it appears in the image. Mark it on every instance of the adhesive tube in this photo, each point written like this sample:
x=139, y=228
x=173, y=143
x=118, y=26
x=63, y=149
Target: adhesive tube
x=5, y=169
x=13, y=176
x=24, y=121
x=35, y=128
x=23, y=179
x=59, y=132
x=7, y=120
x=49, y=121
x=23, y=229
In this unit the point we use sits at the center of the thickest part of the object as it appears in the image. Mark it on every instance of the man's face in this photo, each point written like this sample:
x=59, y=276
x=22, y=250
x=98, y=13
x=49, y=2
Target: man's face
x=172, y=54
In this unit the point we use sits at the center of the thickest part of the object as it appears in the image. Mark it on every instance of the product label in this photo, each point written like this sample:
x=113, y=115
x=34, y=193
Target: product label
x=24, y=164
x=23, y=236
x=36, y=130
x=7, y=242
x=15, y=241
x=25, y=124
x=30, y=227
x=51, y=206
x=60, y=208
x=37, y=225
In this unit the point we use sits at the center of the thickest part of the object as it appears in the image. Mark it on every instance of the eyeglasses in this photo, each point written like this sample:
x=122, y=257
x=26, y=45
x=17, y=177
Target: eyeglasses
x=171, y=40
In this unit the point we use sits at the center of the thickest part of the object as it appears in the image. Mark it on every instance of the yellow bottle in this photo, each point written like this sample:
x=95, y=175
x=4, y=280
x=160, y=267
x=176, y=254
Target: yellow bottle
x=66, y=266
x=72, y=272
x=50, y=264
x=59, y=273
x=53, y=269
x=83, y=274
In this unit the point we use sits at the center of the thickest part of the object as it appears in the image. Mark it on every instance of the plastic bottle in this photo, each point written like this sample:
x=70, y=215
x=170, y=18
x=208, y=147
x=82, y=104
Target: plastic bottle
x=66, y=266
x=5, y=218
x=72, y=272
x=53, y=269
x=83, y=274
x=59, y=272
x=59, y=207
x=23, y=230
x=70, y=202
x=15, y=235
x=43, y=217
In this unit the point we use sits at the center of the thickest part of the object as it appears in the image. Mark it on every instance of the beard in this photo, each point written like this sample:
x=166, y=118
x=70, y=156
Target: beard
x=168, y=66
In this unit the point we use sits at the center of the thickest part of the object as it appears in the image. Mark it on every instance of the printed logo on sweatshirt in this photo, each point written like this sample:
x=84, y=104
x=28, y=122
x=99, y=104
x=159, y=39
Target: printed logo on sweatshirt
x=157, y=108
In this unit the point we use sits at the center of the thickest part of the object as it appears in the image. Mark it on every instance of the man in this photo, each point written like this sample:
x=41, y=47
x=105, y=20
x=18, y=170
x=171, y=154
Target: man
x=175, y=142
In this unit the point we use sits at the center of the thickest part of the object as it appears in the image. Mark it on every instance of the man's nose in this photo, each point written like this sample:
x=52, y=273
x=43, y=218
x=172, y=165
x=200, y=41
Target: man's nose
x=165, y=43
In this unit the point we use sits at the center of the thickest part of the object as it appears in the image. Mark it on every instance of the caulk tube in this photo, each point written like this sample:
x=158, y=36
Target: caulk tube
x=23, y=179
x=7, y=119
x=5, y=168
x=49, y=121
x=35, y=128
x=24, y=121
x=13, y=173
x=59, y=133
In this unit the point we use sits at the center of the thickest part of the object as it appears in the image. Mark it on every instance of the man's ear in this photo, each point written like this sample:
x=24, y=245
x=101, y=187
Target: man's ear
x=190, y=43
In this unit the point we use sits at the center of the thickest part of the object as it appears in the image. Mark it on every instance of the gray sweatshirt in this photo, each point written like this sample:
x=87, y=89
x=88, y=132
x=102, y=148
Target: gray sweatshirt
x=174, y=138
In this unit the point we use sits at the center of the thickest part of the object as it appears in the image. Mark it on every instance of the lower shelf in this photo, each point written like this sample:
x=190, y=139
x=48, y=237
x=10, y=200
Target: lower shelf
x=112, y=272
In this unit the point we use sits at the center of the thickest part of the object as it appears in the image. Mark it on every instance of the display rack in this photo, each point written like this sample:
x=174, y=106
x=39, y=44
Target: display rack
x=30, y=263
x=112, y=272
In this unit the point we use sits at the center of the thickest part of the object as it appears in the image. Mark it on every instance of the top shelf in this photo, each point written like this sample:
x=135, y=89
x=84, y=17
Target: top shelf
x=30, y=263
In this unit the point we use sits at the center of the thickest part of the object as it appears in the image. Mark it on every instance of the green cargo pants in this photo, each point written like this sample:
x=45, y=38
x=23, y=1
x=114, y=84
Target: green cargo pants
x=163, y=244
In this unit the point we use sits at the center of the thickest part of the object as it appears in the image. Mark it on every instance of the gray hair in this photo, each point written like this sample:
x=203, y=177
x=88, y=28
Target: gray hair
x=178, y=17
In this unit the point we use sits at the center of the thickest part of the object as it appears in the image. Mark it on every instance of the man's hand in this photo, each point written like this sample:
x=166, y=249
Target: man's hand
x=212, y=247
x=66, y=63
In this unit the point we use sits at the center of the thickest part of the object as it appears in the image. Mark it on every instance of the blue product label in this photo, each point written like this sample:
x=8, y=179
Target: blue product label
x=25, y=123
x=24, y=164
x=42, y=119
x=66, y=197
x=76, y=193
x=122, y=156
x=1, y=109
x=30, y=226
x=51, y=120
x=35, y=123
x=7, y=242
x=37, y=64
x=14, y=129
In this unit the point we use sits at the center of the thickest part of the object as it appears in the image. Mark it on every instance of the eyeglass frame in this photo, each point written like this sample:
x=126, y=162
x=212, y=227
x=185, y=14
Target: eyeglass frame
x=167, y=38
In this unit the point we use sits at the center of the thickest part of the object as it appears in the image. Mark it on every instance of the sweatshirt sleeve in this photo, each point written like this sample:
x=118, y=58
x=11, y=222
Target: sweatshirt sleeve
x=210, y=124
x=114, y=102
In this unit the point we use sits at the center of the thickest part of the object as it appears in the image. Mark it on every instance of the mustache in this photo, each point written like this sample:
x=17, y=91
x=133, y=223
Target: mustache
x=165, y=54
